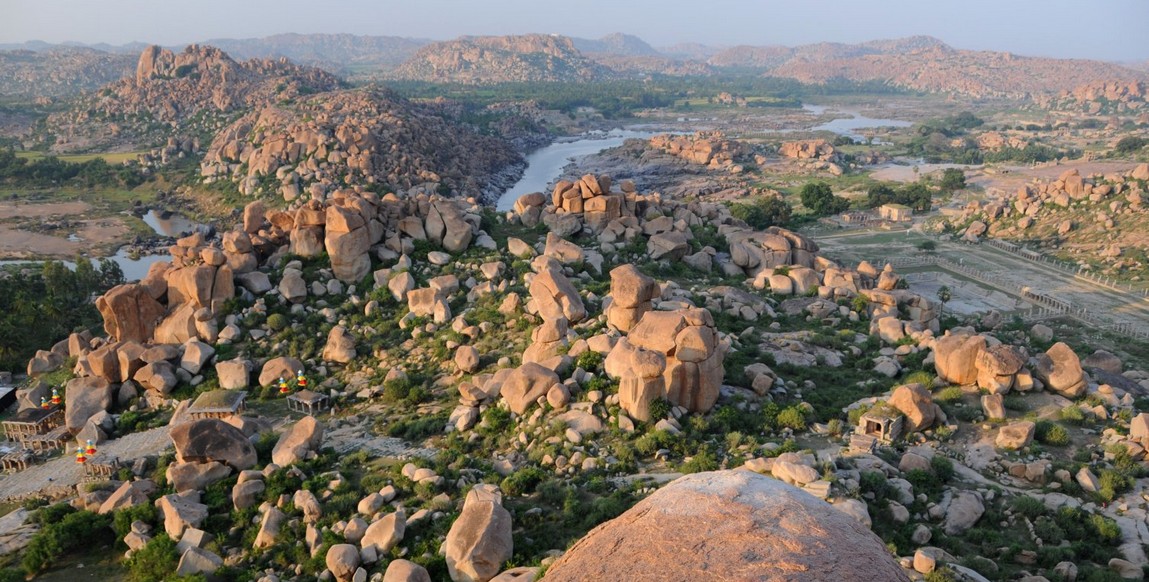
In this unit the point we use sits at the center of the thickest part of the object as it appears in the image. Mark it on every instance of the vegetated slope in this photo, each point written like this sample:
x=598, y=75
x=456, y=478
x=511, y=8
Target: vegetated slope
x=59, y=71
x=498, y=59
x=349, y=137
x=187, y=91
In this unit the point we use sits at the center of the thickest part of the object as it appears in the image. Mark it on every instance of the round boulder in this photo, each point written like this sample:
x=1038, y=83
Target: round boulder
x=729, y=525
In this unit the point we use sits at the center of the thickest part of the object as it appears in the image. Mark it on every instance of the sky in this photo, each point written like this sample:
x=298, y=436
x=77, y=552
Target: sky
x=1098, y=29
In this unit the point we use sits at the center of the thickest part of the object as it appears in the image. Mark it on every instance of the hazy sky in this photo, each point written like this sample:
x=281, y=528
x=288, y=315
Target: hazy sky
x=1102, y=29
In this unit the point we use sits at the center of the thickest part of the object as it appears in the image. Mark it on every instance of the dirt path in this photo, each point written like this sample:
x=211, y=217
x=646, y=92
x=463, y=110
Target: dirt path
x=63, y=471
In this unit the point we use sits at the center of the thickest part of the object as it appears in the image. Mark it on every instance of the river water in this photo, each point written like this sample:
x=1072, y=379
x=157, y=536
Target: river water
x=849, y=126
x=546, y=164
x=136, y=267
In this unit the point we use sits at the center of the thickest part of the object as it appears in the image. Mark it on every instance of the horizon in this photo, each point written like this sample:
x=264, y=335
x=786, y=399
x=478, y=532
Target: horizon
x=1028, y=28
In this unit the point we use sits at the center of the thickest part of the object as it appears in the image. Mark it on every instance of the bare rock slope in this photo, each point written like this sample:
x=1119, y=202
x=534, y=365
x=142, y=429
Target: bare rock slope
x=729, y=525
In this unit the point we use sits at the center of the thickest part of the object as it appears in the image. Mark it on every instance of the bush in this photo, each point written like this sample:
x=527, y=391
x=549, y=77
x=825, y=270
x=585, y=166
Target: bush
x=763, y=213
x=277, y=322
x=949, y=394
x=660, y=408
x=589, y=360
x=1049, y=433
x=1028, y=506
x=122, y=519
x=154, y=562
x=77, y=529
x=523, y=481
x=1072, y=414
x=793, y=418
x=943, y=468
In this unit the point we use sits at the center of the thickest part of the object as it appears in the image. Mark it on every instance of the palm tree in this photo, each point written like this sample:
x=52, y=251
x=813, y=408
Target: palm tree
x=944, y=295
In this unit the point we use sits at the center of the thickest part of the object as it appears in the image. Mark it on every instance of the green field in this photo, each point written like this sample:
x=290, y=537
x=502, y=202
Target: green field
x=111, y=157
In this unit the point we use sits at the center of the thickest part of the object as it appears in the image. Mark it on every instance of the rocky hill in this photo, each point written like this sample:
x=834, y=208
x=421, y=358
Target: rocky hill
x=344, y=54
x=926, y=64
x=619, y=44
x=529, y=387
x=1102, y=98
x=947, y=70
x=59, y=72
x=366, y=136
x=496, y=59
x=188, y=91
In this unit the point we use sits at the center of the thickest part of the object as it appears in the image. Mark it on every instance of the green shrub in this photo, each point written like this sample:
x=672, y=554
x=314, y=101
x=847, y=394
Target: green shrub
x=949, y=394
x=660, y=409
x=122, y=519
x=523, y=481
x=1028, y=506
x=277, y=322
x=76, y=529
x=792, y=417
x=1073, y=415
x=943, y=468
x=1049, y=433
x=589, y=360
x=154, y=562
x=11, y=575
x=702, y=461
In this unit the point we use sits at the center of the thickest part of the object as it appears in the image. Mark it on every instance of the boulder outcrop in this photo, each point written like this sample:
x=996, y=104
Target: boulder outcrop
x=734, y=525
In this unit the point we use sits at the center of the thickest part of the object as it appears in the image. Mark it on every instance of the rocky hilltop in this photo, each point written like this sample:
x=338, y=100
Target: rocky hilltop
x=496, y=59
x=331, y=52
x=169, y=89
x=59, y=72
x=923, y=63
x=942, y=69
x=619, y=44
x=1102, y=97
x=368, y=136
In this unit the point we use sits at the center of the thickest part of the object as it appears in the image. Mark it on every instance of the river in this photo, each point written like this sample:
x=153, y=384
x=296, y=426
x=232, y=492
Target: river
x=136, y=268
x=546, y=164
x=848, y=126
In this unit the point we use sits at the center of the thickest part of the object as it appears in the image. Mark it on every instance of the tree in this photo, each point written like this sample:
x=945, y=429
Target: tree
x=1130, y=144
x=928, y=246
x=879, y=194
x=763, y=212
x=944, y=295
x=953, y=179
x=820, y=199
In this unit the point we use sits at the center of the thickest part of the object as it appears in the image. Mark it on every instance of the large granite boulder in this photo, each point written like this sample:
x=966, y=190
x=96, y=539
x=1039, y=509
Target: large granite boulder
x=1060, y=369
x=917, y=404
x=276, y=368
x=553, y=294
x=480, y=539
x=729, y=525
x=130, y=312
x=340, y=347
x=694, y=356
x=640, y=376
x=956, y=356
x=211, y=439
x=526, y=384
x=304, y=438
x=83, y=398
x=631, y=293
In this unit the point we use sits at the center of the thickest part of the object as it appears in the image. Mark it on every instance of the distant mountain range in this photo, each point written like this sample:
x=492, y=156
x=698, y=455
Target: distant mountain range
x=919, y=63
